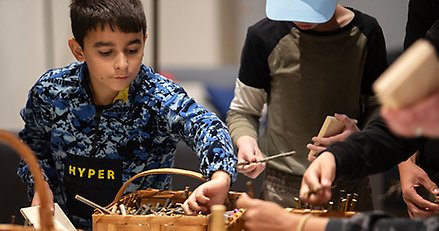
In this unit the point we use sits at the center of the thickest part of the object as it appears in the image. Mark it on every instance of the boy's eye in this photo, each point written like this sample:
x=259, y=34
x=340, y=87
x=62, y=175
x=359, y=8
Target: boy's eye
x=104, y=53
x=132, y=51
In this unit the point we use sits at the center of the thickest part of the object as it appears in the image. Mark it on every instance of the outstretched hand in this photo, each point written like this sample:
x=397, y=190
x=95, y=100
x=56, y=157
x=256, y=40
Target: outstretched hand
x=210, y=193
x=317, y=180
x=248, y=151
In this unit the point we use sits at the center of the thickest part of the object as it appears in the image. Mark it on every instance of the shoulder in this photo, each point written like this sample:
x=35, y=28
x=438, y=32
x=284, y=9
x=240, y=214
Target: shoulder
x=367, y=25
x=58, y=79
x=267, y=28
x=364, y=20
x=65, y=76
x=154, y=84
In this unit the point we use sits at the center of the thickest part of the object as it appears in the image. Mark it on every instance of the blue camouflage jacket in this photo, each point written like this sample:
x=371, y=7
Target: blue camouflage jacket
x=141, y=130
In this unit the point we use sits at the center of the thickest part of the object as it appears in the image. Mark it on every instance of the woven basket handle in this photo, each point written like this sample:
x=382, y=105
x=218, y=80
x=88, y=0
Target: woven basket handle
x=46, y=222
x=177, y=171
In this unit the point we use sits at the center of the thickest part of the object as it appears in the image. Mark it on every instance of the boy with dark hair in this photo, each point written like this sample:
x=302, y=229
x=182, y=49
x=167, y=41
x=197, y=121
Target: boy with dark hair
x=95, y=123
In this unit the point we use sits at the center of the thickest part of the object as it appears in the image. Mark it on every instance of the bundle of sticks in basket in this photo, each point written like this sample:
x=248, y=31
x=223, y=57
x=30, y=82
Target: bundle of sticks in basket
x=154, y=210
x=158, y=202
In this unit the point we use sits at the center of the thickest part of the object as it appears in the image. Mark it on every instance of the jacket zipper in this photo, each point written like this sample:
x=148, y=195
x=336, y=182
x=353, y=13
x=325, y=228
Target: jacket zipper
x=96, y=135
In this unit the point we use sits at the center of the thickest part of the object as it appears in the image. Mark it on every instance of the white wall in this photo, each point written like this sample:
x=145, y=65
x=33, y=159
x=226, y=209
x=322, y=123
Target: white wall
x=22, y=55
x=193, y=34
x=35, y=32
x=391, y=14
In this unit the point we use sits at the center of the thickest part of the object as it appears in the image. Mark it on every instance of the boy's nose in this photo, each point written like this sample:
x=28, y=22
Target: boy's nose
x=121, y=62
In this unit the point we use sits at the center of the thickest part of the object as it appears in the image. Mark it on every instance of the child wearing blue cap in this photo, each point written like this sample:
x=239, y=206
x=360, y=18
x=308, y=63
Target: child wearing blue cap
x=306, y=60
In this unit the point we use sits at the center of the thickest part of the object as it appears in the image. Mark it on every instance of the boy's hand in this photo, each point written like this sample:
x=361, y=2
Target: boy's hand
x=411, y=177
x=248, y=150
x=317, y=180
x=320, y=143
x=210, y=193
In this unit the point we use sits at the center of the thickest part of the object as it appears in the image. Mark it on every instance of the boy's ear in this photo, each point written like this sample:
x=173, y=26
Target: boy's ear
x=76, y=50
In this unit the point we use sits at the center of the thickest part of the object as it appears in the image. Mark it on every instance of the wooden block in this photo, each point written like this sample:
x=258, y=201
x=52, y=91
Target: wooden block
x=331, y=126
x=60, y=220
x=413, y=76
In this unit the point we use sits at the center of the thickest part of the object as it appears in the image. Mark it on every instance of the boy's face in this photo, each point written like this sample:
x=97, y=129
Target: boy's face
x=113, y=59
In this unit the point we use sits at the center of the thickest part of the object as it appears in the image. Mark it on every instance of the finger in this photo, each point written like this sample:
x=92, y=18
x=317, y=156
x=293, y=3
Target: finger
x=320, y=141
x=327, y=177
x=429, y=185
x=345, y=119
x=311, y=157
x=414, y=211
x=255, y=173
x=315, y=147
x=187, y=209
x=194, y=208
x=244, y=201
x=310, y=185
x=246, y=157
x=341, y=117
x=423, y=204
x=201, y=198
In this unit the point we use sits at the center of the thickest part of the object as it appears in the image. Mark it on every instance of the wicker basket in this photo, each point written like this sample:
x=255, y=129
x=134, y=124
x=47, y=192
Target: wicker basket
x=46, y=222
x=155, y=222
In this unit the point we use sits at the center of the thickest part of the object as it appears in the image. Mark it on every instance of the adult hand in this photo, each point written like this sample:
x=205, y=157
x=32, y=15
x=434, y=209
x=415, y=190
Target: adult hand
x=210, y=193
x=248, y=151
x=320, y=143
x=263, y=215
x=411, y=177
x=36, y=200
x=421, y=118
x=317, y=180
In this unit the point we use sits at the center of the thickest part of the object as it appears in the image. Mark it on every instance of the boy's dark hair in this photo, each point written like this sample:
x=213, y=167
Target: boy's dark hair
x=126, y=15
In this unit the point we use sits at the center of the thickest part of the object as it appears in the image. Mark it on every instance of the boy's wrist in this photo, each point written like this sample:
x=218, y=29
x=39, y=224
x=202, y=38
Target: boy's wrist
x=221, y=175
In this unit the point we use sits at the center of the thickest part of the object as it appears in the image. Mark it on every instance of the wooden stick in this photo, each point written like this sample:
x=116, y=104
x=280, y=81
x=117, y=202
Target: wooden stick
x=92, y=204
x=267, y=159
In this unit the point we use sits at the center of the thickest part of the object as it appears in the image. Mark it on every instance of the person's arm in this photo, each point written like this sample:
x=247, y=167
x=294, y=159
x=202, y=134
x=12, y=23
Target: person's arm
x=248, y=103
x=375, y=64
x=243, y=122
x=361, y=154
x=207, y=136
x=36, y=134
x=420, y=18
x=412, y=177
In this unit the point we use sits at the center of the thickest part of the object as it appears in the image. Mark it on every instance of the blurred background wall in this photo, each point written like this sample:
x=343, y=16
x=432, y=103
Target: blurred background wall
x=193, y=35
x=199, y=44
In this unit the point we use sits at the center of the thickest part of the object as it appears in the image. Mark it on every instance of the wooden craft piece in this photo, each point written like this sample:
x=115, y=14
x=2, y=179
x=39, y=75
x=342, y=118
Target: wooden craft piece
x=331, y=126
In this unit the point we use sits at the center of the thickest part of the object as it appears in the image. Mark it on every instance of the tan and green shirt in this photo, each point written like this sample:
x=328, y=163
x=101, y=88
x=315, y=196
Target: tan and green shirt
x=303, y=76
